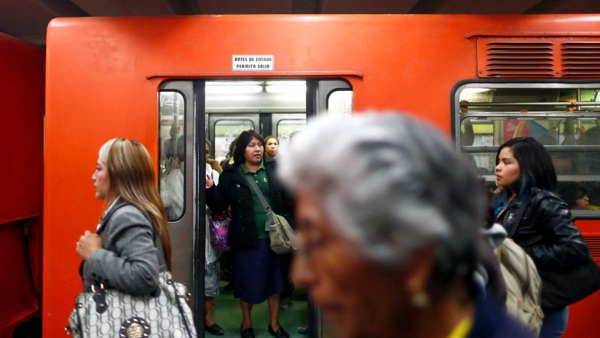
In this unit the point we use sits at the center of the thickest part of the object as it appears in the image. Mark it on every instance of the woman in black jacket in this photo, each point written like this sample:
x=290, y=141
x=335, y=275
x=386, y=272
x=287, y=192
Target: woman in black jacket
x=259, y=273
x=535, y=218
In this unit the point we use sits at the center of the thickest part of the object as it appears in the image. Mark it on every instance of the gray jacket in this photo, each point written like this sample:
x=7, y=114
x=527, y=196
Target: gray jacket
x=131, y=256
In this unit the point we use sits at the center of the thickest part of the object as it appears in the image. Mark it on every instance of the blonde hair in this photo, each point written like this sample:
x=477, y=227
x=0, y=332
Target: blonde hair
x=131, y=175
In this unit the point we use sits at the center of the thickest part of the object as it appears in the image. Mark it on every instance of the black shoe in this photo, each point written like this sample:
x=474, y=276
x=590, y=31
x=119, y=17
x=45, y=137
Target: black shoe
x=214, y=329
x=247, y=333
x=280, y=333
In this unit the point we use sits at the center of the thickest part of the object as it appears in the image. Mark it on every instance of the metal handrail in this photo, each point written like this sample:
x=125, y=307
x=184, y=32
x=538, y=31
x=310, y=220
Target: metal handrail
x=540, y=104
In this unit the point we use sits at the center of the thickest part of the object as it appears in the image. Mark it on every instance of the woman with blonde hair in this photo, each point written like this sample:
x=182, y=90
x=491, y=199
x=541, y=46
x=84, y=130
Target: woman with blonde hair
x=131, y=248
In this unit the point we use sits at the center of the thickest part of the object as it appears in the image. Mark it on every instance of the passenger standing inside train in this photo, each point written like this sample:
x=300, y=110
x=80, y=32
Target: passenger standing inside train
x=211, y=261
x=271, y=148
x=228, y=160
x=259, y=273
x=271, y=152
x=389, y=236
x=545, y=228
x=123, y=254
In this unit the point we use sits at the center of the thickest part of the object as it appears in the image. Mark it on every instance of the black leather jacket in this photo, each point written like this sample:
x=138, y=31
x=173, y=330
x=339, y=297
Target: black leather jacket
x=233, y=191
x=545, y=230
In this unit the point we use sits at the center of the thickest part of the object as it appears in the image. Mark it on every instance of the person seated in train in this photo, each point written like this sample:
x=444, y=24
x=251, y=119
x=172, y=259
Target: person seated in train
x=588, y=162
x=389, y=237
x=211, y=260
x=259, y=273
x=574, y=194
x=271, y=147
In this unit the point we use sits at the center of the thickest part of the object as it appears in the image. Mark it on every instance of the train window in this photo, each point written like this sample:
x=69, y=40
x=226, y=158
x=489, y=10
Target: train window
x=226, y=130
x=172, y=152
x=339, y=102
x=285, y=130
x=565, y=118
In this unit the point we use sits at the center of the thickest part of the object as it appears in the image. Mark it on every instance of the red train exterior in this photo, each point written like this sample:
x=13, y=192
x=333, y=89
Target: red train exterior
x=22, y=86
x=103, y=76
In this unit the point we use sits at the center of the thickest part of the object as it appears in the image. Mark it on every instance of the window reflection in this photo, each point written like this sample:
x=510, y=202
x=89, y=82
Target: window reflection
x=172, y=153
x=565, y=120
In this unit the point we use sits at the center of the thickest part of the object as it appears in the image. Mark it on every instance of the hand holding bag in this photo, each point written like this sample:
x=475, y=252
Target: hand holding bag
x=281, y=233
x=113, y=313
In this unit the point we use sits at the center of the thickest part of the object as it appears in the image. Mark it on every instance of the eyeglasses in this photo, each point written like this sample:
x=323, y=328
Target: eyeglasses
x=306, y=247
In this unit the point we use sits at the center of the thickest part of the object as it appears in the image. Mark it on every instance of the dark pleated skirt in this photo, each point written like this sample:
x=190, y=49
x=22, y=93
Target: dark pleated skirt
x=259, y=273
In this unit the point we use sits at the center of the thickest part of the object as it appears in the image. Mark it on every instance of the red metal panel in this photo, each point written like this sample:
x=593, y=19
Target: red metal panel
x=21, y=136
x=245, y=6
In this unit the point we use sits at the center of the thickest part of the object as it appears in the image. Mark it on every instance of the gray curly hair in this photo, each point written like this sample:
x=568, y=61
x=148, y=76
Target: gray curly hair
x=392, y=185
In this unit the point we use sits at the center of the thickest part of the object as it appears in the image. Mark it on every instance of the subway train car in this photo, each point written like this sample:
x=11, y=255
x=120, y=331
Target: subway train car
x=481, y=79
x=22, y=132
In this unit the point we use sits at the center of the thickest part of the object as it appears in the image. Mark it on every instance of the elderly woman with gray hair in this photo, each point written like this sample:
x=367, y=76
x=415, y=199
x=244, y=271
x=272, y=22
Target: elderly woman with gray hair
x=389, y=236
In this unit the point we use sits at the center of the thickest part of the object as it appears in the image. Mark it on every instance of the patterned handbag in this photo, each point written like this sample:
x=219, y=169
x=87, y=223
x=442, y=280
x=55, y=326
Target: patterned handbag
x=113, y=313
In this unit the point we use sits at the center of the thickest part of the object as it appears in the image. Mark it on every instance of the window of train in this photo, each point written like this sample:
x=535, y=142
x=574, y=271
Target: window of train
x=226, y=131
x=339, y=102
x=172, y=152
x=564, y=118
x=286, y=129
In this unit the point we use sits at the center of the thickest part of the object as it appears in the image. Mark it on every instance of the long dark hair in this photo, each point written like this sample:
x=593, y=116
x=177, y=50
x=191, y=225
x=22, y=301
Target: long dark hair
x=537, y=170
x=242, y=142
x=131, y=176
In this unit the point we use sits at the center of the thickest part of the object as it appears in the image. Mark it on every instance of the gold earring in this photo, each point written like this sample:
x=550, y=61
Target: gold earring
x=419, y=299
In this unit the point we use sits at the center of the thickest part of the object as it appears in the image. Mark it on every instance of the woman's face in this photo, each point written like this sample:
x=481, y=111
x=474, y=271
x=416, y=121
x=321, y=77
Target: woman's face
x=272, y=147
x=508, y=168
x=101, y=181
x=254, y=152
x=355, y=295
x=582, y=203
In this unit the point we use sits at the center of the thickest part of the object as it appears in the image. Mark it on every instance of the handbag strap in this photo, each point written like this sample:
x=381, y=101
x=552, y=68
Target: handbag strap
x=263, y=201
x=79, y=326
x=185, y=322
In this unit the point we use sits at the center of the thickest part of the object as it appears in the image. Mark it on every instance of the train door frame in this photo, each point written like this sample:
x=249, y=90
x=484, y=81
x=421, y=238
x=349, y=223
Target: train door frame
x=318, y=92
x=188, y=222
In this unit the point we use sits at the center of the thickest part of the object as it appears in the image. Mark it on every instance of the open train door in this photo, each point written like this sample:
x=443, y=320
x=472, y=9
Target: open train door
x=191, y=112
